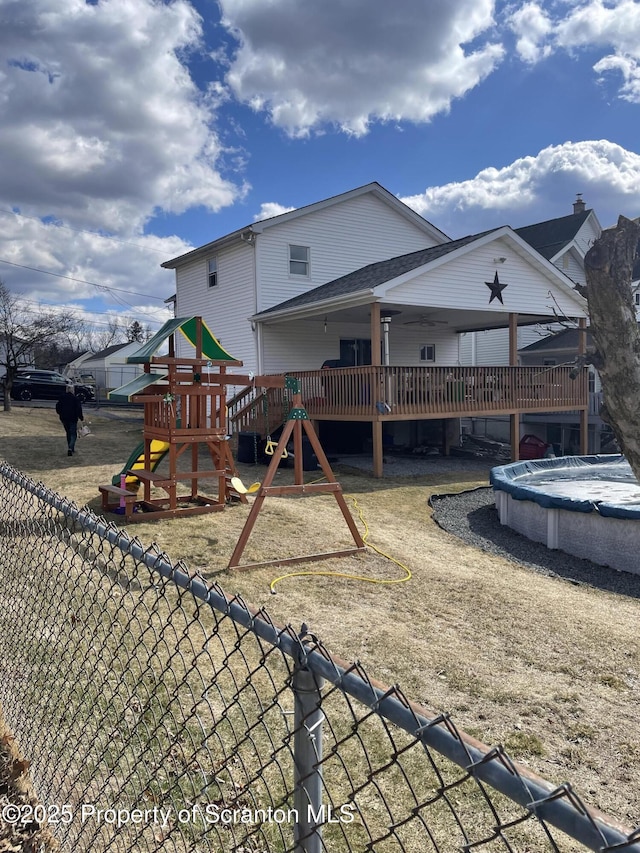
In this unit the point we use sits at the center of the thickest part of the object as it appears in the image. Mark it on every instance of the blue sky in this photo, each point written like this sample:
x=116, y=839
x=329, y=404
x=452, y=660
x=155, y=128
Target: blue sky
x=132, y=130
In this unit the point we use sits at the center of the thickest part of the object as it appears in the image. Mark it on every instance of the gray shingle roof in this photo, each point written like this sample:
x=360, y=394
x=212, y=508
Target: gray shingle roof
x=366, y=278
x=567, y=339
x=109, y=351
x=552, y=236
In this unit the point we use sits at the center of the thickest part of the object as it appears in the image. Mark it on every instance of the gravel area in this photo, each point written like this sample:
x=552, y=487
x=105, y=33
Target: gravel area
x=472, y=517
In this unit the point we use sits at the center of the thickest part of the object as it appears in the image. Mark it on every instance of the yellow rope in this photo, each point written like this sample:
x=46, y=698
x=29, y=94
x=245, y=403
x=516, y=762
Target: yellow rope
x=388, y=581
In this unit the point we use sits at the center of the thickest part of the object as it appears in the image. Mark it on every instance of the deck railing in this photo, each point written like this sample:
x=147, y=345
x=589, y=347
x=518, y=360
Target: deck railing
x=404, y=392
x=370, y=392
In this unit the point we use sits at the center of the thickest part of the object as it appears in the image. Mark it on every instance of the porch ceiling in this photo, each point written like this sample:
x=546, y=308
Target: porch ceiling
x=446, y=319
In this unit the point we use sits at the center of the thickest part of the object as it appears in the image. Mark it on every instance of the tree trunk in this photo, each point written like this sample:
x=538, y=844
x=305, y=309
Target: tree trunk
x=616, y=336
x=6, y=388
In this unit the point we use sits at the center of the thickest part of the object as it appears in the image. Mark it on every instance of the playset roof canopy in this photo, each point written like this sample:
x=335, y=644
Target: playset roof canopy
x=212, y=349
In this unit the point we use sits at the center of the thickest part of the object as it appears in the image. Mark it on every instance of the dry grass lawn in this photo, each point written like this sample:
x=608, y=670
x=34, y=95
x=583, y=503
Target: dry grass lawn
x=548, y=668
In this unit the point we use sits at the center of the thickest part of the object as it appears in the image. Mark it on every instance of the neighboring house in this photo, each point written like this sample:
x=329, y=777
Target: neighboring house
x=362, y=279
x=75, y=369
x=25, y=359
x=563, y=429
x=109, y=366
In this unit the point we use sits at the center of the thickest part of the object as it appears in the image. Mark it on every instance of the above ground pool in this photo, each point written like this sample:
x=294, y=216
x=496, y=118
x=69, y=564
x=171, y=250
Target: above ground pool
x=588, y=506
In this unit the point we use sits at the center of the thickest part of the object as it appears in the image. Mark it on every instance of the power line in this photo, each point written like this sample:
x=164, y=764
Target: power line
x=105, y=287
x=83, y=231
x=84, y=314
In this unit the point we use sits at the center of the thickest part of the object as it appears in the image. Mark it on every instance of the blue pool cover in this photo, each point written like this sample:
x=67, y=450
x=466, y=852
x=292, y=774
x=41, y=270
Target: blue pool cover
x=604, y=484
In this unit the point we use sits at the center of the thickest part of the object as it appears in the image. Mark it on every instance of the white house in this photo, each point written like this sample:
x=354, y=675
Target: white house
x=252, y=269
x=109, y=366
x=363, y=280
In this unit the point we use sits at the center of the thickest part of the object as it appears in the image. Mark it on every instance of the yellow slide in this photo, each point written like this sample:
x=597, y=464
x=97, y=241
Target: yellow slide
x=136, y=460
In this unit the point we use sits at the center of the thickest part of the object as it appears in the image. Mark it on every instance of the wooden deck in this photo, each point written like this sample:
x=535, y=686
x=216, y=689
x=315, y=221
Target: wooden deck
x=370, y=393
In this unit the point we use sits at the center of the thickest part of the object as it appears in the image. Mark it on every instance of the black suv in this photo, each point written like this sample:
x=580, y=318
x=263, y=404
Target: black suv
x=46, y=385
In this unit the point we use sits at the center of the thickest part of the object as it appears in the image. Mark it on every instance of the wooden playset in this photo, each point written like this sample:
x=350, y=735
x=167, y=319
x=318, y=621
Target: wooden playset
x=185, y=410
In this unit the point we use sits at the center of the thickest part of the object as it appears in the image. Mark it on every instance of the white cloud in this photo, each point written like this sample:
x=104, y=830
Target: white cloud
x=630, y=71
x=536, y=188
x=102, y=123
x=40, y=261
x=532, y=26
x=357, y=62
x=269, y=209
x=613, y=26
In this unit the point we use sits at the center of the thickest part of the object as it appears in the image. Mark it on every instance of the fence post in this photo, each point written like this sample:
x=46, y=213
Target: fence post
x=307, y=758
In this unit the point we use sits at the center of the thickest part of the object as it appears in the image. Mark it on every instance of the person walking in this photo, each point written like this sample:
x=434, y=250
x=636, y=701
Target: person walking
x=69, y=410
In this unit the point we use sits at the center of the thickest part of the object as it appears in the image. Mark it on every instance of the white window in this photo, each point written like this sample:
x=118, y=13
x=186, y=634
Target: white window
x=636, y=297
x=299, y=260
x=428, y=352
x=212, y=272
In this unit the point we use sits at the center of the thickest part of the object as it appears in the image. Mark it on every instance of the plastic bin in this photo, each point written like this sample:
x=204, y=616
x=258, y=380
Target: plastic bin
x=532, y=447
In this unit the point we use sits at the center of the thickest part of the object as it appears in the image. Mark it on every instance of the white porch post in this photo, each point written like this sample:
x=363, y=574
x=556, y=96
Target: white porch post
x=514, y=417
x=376, y=426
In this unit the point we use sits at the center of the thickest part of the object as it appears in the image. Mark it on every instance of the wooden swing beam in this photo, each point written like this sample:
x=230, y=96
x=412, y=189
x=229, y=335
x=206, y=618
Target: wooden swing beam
x=297, y=421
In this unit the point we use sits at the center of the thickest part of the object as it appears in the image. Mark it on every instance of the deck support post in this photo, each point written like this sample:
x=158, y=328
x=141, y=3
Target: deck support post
x=376, y=429
x=514, y=437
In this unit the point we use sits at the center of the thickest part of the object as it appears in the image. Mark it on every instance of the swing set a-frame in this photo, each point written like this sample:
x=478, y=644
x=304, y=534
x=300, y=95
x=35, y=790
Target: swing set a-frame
x=185, y=407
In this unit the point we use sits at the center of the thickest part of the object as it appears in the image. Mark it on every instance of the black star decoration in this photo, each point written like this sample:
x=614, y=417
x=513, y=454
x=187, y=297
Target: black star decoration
x=496, y=288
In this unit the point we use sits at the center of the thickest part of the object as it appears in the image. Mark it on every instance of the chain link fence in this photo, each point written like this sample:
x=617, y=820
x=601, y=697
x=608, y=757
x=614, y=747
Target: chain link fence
x=160, y=714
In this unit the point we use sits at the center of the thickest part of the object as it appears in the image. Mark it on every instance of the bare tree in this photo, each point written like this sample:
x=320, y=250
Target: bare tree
x=21, y=332
x=114, y=333
x=616, y=335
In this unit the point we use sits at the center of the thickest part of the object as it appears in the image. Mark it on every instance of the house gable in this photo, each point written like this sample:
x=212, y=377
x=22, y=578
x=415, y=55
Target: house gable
x=497, y=273
x=249, y=232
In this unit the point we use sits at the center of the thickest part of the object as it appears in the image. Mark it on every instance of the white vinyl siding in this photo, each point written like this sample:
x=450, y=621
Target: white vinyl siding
x=572, y=267
x=226, y=307
x=341, y=238
x=305, y=345
x=461, y=283
x=492, y=346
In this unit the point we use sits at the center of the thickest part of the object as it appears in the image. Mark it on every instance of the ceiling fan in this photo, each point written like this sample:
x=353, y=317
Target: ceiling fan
x=425, y=320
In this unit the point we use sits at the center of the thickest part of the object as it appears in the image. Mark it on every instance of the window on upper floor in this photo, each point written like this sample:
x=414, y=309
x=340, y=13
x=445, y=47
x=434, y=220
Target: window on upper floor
x=212, y=272
x=636, y=298
x=299, y=261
